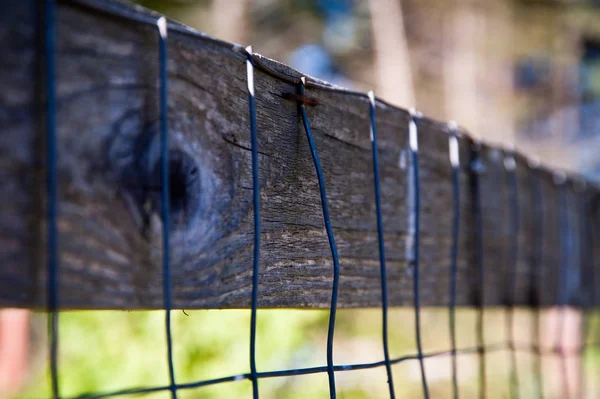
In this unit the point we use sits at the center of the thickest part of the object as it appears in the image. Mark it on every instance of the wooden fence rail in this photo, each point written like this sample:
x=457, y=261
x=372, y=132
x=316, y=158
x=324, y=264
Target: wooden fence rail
x=109, y=183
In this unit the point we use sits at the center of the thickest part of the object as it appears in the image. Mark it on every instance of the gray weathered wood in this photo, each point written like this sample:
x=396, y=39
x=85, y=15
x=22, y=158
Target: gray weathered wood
x=109, y=223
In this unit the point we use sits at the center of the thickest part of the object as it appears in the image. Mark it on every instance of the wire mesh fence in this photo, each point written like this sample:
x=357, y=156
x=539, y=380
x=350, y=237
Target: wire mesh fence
x=579, y=251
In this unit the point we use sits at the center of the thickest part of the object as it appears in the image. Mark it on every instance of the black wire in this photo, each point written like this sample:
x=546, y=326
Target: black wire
x=510, y=166
x=382, y=264
x=256, y=203
x=416, y=278
x=477, y=168
x=52, y=188
x=304, y=371
x=334, y=253
x=585, y=329
x=537, y=240
x=563, y=283
x=593, y=234
x=165, y=194
x=453, y=264
x=588, y=274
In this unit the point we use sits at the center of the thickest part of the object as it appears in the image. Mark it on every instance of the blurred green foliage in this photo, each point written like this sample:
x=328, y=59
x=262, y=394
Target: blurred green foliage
x=110, y=350
x=104, y=351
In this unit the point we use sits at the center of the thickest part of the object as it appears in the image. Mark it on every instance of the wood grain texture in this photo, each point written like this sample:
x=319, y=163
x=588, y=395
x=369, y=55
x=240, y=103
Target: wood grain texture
x=109, y=185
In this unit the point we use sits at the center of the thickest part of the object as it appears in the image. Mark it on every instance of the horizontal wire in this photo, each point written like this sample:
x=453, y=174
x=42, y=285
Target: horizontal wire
x=523, y=348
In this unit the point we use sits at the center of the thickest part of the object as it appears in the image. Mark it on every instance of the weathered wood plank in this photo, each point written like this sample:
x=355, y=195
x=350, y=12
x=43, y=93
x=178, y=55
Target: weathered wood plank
x=109, y=222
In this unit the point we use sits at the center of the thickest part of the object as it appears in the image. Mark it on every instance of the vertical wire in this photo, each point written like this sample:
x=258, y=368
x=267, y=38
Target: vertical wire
x=592, y=222
x=333, y=247
x=563, y=275
x=588, y=276
x=256, y=203
x=477, y=168
x=455, y=163
x=536, y=261
x=414, y=151
x=510, y=167
x=165, y=197
x=52, y=189
x=382, y=265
